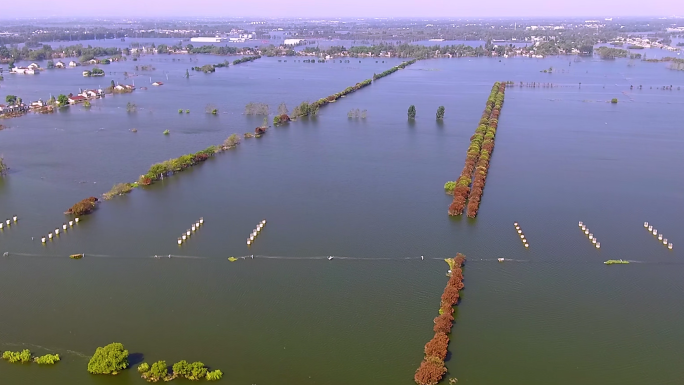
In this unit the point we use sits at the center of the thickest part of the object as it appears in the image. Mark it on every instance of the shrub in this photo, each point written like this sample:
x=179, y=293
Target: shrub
x=23, y=356
x=443, y=323
x=412, y=112
x=181, y=368
x=430, y=372
x=158, y=371
x=449, y=187
x=110, y=359
x=440, y=112
x=437, y=346
x=232, y=141
x=197, y=371
x=614, y=100
x=48, y=359
x=214, y=375
x=118, y=189
x=85, y=206
x=3, y=167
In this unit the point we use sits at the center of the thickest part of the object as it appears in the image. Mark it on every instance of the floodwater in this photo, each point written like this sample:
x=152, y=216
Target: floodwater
x=368, y=192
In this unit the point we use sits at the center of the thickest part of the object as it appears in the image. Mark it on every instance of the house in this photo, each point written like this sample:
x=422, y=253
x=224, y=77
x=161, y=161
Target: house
x=157, y=84
x=2, y=109
x=23, y=71
x=60, y=64
x=72, y=64
x=38, y=104
x=34, y=66
x=119, y=87
x=15, y=108
x=77, y=99
x=91, y=93
x=93, y=61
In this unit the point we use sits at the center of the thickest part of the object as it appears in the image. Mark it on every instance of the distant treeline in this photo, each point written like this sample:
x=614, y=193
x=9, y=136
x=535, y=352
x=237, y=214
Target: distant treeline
x=613, y=53
x=47, y=52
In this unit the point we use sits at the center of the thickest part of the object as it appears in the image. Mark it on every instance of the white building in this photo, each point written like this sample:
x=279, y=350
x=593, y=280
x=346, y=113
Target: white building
x=72, y=64
x=206, y=39
x=292, y=41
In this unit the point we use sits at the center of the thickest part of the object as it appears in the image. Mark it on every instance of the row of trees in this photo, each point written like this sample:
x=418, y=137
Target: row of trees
x=432, y=369
x=412, y=112
x=192, y=371
x=246, y=59
x=113, y=358
x=461, y=188
x=25, y=356
x=306, y=109
x=493, y=111
x=393, y=69
x=156, y=172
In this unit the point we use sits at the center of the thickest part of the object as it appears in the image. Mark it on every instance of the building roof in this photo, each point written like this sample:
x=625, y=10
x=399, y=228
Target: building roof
x=77, y=97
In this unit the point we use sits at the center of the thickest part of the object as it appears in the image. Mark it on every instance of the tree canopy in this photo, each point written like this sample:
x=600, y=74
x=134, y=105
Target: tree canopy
x=109, y=359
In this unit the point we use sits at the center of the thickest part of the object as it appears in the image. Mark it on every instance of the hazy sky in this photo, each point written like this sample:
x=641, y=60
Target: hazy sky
x=345, y=8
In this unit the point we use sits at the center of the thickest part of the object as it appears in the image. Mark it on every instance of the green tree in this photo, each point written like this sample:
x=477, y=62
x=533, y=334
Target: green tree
x=440, y=113
x=614, y=100
x=109, y=359
x=449, y=187
x=182, y=369
x=11, y=99
x=158, y=371
x=50, y=64
x=214, y=375
x=187, y=74
x=144, y=367
x=48, y=359
x=197, y=371
x=412, y=112
x=3, y=167
x=62, y=100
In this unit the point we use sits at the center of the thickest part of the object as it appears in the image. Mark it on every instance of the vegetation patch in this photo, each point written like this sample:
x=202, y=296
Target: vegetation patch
x=432, y=369
x=83, y=207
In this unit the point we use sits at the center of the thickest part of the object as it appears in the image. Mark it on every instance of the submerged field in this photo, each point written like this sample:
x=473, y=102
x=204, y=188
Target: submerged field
x=367, y=191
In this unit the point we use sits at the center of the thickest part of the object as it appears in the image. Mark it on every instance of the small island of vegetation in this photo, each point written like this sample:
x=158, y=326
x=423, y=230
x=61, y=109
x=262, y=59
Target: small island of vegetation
x=616, y=262
x=25, y=356
x=83, y=207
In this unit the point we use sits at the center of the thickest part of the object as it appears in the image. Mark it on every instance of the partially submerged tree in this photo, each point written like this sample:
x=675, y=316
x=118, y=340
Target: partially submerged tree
x=412, y=112
x=232, y=141
x=3, y=167
x=440, y=112
x=110, y=359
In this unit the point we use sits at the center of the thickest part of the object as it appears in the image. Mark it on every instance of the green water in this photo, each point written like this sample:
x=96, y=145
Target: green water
x=368, y=192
